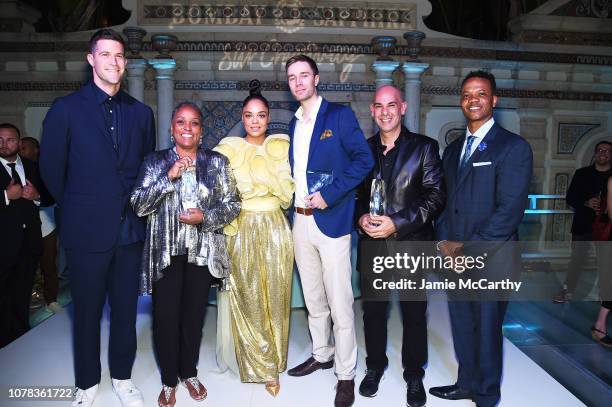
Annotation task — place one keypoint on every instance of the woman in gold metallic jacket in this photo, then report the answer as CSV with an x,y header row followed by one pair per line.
x,y
187,193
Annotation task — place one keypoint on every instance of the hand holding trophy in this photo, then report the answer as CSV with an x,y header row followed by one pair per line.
x,y
188,192
378,198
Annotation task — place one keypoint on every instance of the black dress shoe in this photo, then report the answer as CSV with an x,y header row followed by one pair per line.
x,y
345,393
311,365
415,392
450,392
369,384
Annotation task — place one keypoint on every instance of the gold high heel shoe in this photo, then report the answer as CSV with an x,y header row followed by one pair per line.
x,y
273,387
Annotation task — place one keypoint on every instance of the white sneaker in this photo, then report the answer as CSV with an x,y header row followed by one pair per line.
x,y
85,398
54,307
128,394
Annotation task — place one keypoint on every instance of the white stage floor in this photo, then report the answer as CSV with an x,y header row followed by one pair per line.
x,y
44,357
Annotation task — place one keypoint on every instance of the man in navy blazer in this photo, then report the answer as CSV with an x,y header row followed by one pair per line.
x,y
93,143
329,158
487,176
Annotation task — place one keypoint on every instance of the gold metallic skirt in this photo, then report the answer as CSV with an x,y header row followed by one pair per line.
x,y
259,298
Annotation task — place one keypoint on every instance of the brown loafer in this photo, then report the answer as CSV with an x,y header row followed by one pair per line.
x,y
196,389
167,397
309,366
345,393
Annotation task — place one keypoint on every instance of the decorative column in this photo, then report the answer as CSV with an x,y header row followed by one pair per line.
x,y
413,69
384,66
412,93
550,176
136,65
135,77
164,66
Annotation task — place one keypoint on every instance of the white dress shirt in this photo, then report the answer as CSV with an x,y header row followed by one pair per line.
x,y
18,168
479,134
304,126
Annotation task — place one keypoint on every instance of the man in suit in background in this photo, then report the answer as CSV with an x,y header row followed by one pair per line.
x,y
487,175
20,240
410,166
94,141
329,158
30,149
584,195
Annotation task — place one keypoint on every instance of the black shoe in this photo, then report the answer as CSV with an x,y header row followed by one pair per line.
x,y
369,384
345,393
450,392
605,340
309,366
415,392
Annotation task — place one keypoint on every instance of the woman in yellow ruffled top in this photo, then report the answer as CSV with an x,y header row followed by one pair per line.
x,y
253,314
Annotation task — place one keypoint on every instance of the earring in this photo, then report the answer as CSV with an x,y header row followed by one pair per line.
x,y
172,139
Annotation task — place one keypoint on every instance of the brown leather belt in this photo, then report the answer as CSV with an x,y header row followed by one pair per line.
x,y
304,211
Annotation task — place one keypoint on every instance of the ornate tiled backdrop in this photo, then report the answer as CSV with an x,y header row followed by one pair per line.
x,y
323,87
570,134
341,49
221,117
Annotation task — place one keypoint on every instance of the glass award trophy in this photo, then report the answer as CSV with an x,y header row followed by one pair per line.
x,y
317,180
189,190
378,198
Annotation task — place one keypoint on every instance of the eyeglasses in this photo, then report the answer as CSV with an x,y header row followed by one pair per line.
x,y
603,151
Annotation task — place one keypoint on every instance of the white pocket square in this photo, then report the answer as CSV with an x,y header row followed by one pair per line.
x,y
480,164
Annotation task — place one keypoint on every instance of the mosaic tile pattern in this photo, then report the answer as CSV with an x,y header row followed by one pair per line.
x,y
341,49
570,134
221,117
324,87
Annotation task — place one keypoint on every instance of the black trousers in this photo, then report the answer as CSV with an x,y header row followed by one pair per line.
x,y
414,337
16,281
94,276
179,307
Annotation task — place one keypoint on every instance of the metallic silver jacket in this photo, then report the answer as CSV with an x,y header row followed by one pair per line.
x,y
156,196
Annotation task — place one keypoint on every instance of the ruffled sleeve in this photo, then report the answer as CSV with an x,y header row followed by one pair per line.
x,y
276,149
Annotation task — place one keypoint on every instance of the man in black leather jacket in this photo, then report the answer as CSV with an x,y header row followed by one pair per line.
x,y
411,168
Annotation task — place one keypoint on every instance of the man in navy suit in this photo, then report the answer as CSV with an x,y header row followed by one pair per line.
x,y
487,176
329,158
93,143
